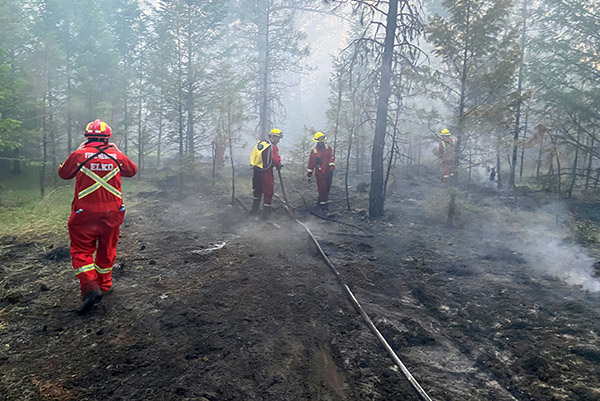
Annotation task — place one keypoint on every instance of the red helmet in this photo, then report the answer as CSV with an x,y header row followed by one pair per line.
x,y
98,129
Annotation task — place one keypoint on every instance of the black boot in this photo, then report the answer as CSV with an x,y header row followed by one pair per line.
x,y
267,211
255,206
89,299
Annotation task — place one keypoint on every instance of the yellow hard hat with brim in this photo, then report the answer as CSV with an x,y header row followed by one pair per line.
x,y
276,132
319,137
445,132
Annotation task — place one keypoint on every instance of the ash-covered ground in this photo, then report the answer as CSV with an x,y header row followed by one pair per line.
x,y
212,304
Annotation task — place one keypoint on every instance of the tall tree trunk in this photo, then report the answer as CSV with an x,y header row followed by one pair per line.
x,y
140,135
190,90
463,92
376,195
589,166
229,128
69,116
263,68
574,175
126,123
498,171
348,168
392,154
213,149
337,112
160,128
357,157
558,166
44,151
523,145
52,128
539,163
513,166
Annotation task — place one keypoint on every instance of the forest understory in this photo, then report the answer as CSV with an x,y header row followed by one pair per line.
x,y
212,304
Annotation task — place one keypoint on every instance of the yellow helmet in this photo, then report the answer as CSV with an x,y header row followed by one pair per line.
x,y
319,137
445,132
276,132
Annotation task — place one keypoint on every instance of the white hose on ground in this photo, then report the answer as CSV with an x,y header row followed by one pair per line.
x,y
367,319
358,307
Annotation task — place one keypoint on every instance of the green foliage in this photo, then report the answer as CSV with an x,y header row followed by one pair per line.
x,y
301,151
478,51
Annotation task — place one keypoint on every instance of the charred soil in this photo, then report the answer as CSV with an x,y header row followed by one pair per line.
x,y
212,304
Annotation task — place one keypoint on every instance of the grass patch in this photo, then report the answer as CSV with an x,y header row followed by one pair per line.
x,y
24,214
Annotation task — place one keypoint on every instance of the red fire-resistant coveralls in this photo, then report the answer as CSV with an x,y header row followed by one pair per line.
x,y
447,152
322,164
97,211
262,180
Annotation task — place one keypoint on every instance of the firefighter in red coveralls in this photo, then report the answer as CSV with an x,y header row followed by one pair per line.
x,y
447,152
321,163
97,209
263,181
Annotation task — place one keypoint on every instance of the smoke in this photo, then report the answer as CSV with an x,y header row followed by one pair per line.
x,y
548,249
569,262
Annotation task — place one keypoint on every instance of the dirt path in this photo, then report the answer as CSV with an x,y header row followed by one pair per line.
x,y
262,318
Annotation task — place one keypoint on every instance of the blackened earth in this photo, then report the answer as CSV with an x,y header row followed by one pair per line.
x,y
211,304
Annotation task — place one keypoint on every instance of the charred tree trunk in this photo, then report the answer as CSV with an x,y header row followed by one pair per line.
x,y
348,168
498,171
214,161
574,175
376,195
392,154
523,145
589,165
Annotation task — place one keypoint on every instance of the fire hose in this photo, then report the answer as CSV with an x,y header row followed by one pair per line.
x,y
367,234
355,302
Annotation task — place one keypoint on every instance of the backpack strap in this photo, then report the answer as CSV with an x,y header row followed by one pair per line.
x,y
99,152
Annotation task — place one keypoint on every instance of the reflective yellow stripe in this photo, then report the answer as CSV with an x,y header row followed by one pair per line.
x,y
102,270
309,170
100,181
102,127
315,150
84,269
88,128
332,164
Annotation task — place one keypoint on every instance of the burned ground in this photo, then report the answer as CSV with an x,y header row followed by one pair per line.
x,y
210,304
